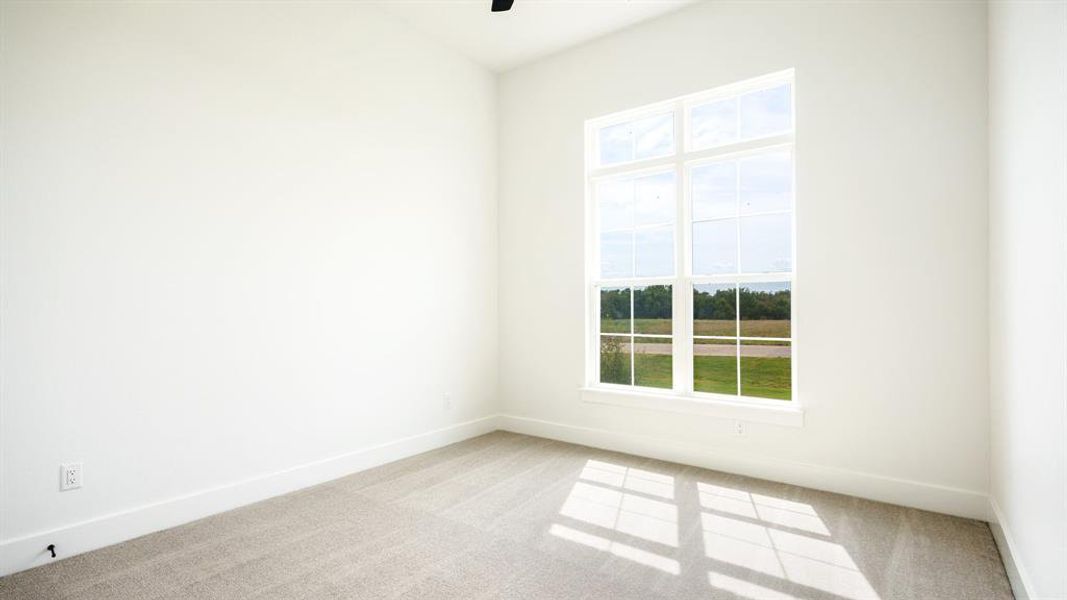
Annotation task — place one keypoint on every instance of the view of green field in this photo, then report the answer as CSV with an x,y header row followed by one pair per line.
x,y
762,377
764,310
778,328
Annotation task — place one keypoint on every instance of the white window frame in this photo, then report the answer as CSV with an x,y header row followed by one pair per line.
x,y
683,398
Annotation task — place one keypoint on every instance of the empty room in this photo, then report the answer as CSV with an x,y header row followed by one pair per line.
x,y
533,299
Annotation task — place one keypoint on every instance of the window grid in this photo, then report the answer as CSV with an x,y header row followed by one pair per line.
x,y
631,335
682,161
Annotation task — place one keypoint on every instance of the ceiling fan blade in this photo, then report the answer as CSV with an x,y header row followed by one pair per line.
x,y
502,5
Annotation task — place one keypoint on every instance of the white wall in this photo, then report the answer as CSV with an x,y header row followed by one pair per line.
x,y
225,228
236,239
1028,291
890,306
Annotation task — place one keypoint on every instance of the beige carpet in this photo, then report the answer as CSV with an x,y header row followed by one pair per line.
x,y
510,516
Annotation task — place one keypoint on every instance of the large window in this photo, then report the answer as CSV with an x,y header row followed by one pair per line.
x,y
690,265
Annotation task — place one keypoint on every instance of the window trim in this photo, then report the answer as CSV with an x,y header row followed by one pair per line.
x,y
755,410
683,398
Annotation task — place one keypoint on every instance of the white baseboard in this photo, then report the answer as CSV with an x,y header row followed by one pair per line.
x,y
1020,581
29,551
927,496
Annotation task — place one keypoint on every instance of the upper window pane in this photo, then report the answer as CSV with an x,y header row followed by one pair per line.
x,y
645,200
767,112
715,247
654,136
654,199
615,202
617,254
650,137
616,144
637,217
714,190
767,183
713,124
767,243
747,116
654,252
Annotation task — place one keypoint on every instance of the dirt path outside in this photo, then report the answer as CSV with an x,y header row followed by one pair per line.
x,y
718,350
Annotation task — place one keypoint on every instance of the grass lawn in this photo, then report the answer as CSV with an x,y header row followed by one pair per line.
x,y
765,377
652,326
760,377
653,370
765,328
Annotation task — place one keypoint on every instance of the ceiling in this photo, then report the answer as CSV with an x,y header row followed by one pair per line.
x,y
530,30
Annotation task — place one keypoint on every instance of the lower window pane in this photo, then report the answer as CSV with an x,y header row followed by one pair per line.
x,y
653,362
715,309
615,359
615,310
715,366
766,369
653,308
765,309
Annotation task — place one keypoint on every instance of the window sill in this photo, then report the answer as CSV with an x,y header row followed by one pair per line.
x,y
740,410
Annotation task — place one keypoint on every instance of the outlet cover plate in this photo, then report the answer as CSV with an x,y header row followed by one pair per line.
x,y
70,476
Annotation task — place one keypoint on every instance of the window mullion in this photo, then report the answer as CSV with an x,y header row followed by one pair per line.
x,y
737,332
633,350
593,374
592,272
682,317
683,346
737,283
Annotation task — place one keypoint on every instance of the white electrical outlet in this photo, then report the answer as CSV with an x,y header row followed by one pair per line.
x,y
739,428
70,476
447,402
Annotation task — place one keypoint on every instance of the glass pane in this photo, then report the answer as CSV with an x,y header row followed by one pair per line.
x,y
616,144
767,183
655,251
644,138
715,247
654,199
767,112
715,366
615,310
714,123
616,254
615,359
652,362
653,306
714,310
615,199
654,136
765,309
714,190
767,243
766,370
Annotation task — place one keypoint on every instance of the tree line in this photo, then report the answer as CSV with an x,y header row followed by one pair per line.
x,y
655,302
